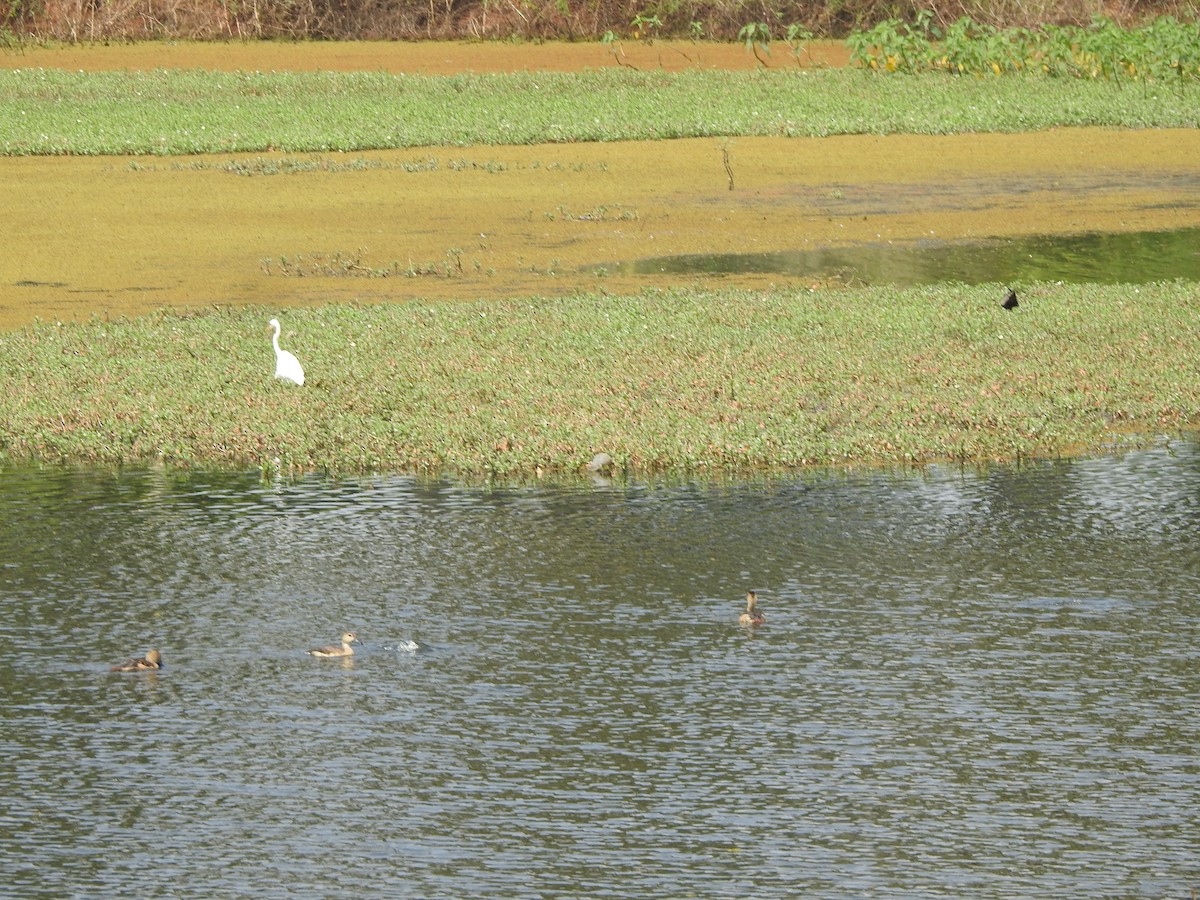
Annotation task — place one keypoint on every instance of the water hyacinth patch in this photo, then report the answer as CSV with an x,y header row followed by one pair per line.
x,y
679,381
191,112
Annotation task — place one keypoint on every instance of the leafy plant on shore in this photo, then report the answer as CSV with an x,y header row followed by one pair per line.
x,y
896,46
757,37
971,48
613,43
1160,50
645,27
797,38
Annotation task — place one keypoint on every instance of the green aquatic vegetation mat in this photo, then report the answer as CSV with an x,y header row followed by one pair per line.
x,y
1162,50
664,381
187,111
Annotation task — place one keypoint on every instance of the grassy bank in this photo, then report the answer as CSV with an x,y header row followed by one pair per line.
x,y
185,112
682,381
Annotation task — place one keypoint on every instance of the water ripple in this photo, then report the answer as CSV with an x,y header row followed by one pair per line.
x,y
969,682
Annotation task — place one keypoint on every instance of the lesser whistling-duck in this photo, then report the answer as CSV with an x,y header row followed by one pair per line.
x,y
344,649
152,660
753,615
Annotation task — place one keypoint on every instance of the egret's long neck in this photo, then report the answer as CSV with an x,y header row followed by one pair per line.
x,y
275,340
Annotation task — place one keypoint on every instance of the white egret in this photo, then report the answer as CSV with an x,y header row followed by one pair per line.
x,y
287,366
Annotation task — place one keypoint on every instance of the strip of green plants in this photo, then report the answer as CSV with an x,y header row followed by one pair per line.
x,y
679,381
1163,50
189,112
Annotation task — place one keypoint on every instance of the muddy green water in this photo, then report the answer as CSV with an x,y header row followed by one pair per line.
x,y
117,237
1134,258
973,684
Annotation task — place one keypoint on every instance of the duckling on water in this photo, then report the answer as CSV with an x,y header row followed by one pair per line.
x,y
152,660
753,615
345,649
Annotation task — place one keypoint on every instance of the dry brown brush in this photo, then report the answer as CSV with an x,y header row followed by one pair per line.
x,y
108,20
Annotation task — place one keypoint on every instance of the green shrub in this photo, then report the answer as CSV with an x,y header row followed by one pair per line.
x,y
1163,49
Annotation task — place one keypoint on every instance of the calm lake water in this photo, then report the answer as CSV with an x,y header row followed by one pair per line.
x,y
979,684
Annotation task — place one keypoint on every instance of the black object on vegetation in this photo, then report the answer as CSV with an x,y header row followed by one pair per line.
x,y
1010,302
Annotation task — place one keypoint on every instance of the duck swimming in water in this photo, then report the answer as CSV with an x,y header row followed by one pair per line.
x,y
152,660
345,649
753,615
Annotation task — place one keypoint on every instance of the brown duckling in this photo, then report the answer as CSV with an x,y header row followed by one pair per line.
x,y
753,615
152,660
334,650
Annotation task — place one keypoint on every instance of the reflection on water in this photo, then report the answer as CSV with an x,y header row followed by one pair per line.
x,y
973,684
1134,258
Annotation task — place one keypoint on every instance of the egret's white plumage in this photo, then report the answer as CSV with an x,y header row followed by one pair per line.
x,y
287,366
